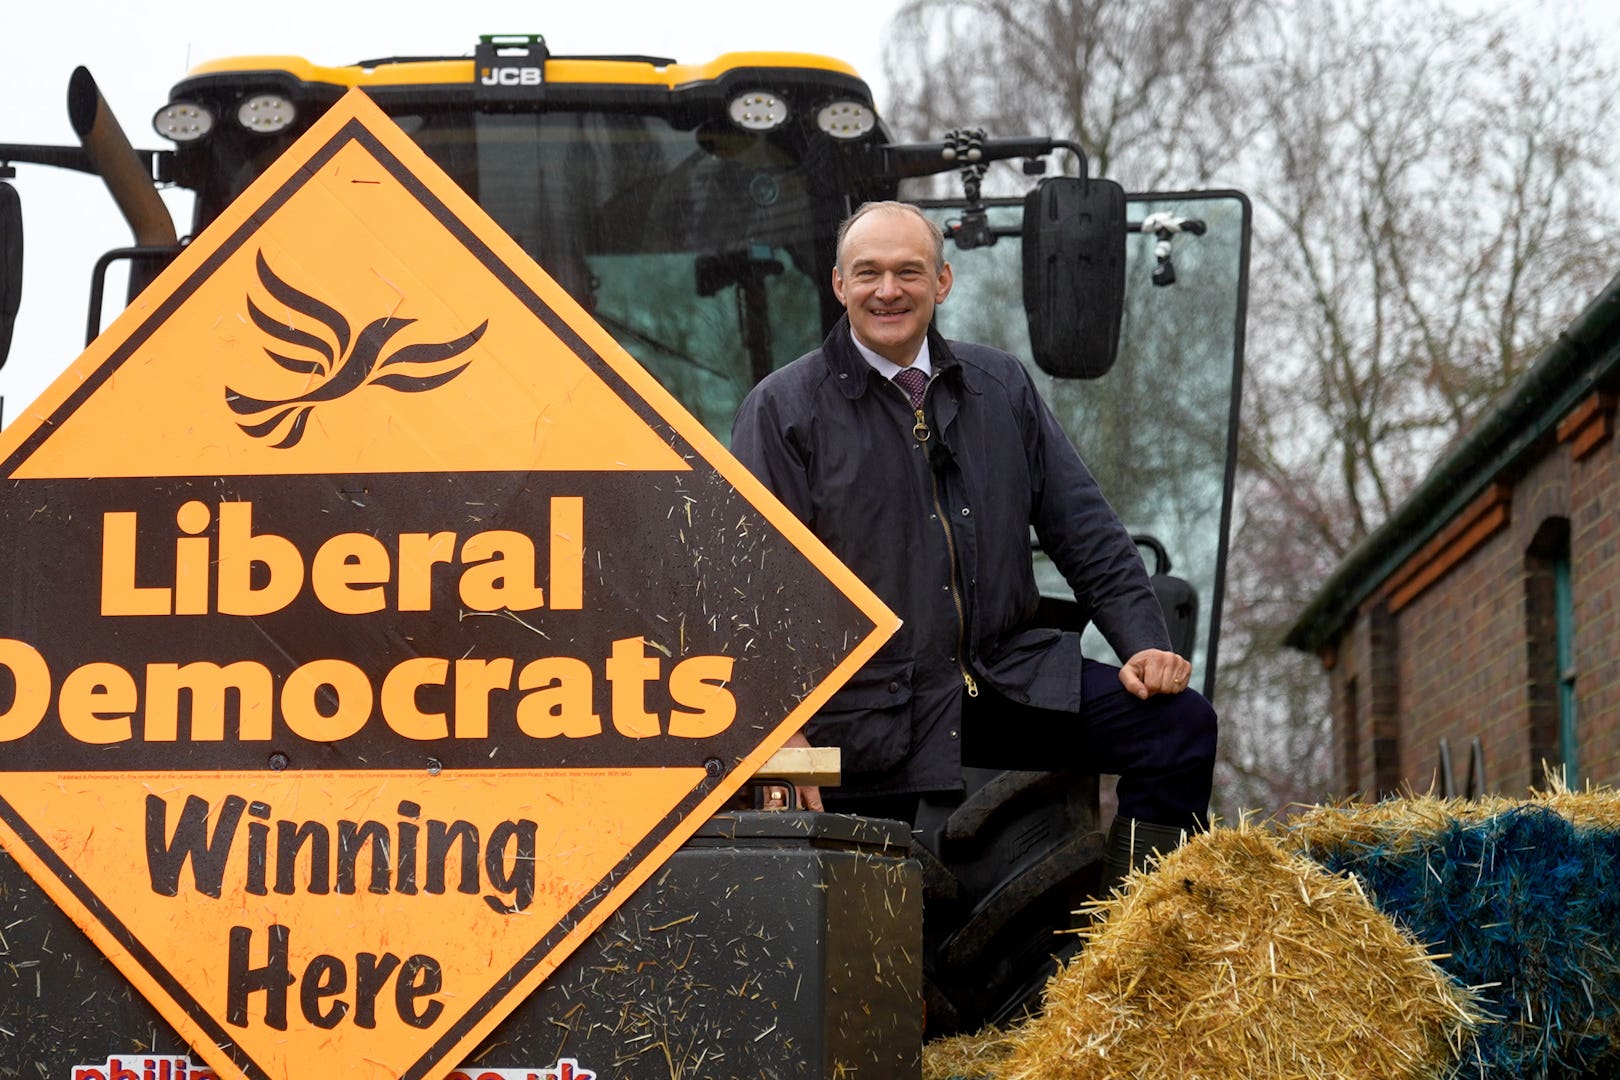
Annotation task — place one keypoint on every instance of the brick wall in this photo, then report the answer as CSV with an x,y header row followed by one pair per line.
x,y
1595,573
1366,707
1352,744
1459,646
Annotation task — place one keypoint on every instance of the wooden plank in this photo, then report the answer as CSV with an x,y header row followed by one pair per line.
x,y
804,766
1589,425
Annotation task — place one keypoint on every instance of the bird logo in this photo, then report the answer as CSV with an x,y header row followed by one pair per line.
x,y
328,358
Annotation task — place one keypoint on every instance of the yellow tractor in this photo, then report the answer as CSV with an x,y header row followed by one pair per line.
x,y
691,209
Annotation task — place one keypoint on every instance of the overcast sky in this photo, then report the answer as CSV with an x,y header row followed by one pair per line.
x,y
69,217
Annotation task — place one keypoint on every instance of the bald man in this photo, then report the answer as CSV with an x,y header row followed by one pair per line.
x,y
923,463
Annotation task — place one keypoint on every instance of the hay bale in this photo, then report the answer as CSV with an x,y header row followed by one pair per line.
x,y
1523,898
1392,823
1402,822
966,1057
1237,959
1594,808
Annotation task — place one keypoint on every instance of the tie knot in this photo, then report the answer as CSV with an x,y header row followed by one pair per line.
x,y
913,382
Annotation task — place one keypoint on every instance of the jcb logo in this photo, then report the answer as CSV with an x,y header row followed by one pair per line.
x,y
512,76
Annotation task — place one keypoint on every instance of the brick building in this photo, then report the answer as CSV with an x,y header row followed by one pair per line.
x,y
1476,635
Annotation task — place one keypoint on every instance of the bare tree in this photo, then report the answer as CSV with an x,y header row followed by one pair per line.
x,y
1430,225
1427,187
1429,229
1113,76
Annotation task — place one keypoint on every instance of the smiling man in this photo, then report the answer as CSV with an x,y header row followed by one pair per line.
x,y
923,464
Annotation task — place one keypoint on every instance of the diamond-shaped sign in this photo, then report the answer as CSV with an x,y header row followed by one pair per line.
x,y
371,624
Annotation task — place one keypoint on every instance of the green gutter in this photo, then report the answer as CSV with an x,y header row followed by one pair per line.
x,y
1584,358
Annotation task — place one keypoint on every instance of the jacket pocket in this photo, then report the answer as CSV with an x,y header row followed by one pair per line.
x,y
1039,666
869,718
1018,657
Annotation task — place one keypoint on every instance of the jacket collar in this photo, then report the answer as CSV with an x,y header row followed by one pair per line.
x,y
853,371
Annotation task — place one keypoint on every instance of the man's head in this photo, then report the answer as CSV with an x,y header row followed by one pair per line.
x,y
890,274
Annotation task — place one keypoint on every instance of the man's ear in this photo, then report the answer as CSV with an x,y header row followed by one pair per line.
x,y
838,285
944,285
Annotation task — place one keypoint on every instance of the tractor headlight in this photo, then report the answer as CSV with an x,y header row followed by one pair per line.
x,y
845,119
183,122
266,113
758,110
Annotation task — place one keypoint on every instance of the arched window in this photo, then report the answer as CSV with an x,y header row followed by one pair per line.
x,y
1550,639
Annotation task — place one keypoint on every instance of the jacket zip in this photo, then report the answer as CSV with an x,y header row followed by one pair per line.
x,y
920,432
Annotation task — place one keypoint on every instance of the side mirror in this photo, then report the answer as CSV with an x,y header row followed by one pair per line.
x,y
1074,274
11,264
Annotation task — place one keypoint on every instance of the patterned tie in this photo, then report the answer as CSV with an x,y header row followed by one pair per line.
x,y
913,382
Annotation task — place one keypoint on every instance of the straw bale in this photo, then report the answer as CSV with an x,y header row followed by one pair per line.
x,y
1521,897
966,1057
1393,824
1236,959
1404,822
1595,808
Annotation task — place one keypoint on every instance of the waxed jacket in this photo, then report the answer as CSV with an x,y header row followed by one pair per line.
x,y
934,514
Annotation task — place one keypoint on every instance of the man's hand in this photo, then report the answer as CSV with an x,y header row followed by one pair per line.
x,y
809,797
1154,671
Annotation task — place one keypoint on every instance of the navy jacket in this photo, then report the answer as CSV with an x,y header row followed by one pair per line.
x,y
935,518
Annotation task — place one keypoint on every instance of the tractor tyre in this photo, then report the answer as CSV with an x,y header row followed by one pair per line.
x,y
1006,872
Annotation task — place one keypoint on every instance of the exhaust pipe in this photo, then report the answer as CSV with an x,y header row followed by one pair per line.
x,y
117,163
11,264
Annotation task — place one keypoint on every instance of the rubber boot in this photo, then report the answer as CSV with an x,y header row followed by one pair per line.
x,y
1131,843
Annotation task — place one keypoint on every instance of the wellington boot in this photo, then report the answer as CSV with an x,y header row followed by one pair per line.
x,y
1131,845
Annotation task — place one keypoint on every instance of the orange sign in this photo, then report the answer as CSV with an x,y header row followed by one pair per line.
x,y
373,625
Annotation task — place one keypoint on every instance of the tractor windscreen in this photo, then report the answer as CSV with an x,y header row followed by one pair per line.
x,y
1159,429
695,247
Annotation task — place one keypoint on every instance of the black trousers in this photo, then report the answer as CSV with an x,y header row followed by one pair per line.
x,y
1162,749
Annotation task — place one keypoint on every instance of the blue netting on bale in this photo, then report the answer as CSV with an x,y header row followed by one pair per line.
x,y
1528,907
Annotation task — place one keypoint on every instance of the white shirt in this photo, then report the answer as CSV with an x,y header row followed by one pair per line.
x,y
888,368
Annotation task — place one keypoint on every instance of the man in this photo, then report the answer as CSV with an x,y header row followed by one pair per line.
x,y
923,464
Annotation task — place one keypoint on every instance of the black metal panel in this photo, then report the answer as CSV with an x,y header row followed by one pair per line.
x,y
771,945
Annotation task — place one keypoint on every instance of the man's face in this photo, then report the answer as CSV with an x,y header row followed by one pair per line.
x,y
889,284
